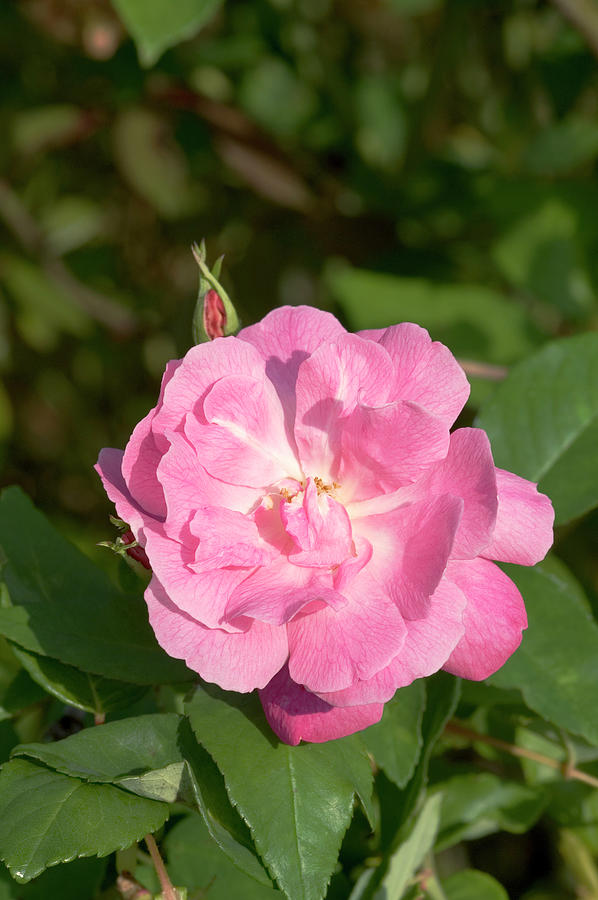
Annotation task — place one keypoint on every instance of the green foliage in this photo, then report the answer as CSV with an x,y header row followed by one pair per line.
x,y
297,801
543,423
62,606
156,25
54,818
562,630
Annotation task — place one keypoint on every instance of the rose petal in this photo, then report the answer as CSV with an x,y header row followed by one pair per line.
x,y
425,371
243,440
277,592
237,662
467,472
227,538
411,545
385,448
142,455
428,644
494,619
201,368
203,594
295,715
109,468
331,649
188,487
330,384
523,531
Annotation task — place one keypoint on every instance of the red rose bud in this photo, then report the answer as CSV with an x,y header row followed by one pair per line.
x,y
214,315
135,552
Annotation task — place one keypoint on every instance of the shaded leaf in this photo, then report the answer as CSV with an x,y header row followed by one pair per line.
x,y
65,607
76,688
470,884
396,741
479,803
194,861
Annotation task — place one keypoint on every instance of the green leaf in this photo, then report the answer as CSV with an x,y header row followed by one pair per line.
x,y
224,824
155,756
194,861
479,803
65,607
297,801
556,666
472,320
110,752
405,861
396,741
48,818
442,696
92,693
543,423
156,25
78,880
469,884
562,147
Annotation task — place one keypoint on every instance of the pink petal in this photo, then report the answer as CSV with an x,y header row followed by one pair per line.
x,y
227,538
202,366
494,619
237,662
330,384
109,469
331,649
287,336
243,441
277,592
411,547
204,595
425,371
388,447
320,528
467,472
428,645
188,487
523,531
296,715
142,456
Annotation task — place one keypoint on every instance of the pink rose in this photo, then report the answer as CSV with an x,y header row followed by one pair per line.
x,y
313,527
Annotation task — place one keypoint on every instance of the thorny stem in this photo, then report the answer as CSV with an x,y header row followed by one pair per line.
x,y
565,768
168,891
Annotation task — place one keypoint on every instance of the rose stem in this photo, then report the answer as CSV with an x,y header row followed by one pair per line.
x,y
168,890
566,770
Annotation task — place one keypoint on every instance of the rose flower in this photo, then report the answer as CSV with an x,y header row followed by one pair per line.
x,y
314,529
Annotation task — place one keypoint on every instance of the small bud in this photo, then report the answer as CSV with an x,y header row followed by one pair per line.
x,y
126,544
133,549
214,316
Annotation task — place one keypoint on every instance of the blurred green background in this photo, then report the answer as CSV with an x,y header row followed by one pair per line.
x,y
400,159
389,160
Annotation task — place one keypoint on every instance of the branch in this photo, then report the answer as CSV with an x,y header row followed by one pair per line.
x,y
566,770
583,15
97,305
